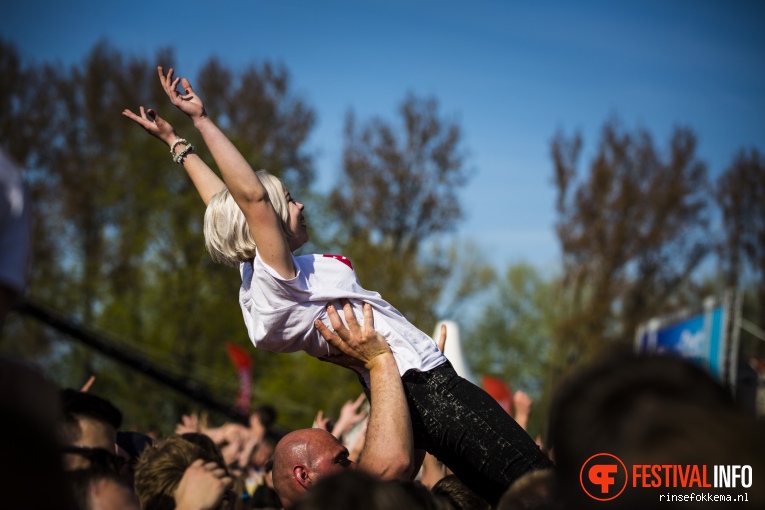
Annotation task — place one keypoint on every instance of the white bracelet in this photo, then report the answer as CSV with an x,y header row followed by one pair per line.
x,y
175,144
178,158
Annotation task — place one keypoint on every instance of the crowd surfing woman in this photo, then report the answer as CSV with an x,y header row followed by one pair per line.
x,y
252,222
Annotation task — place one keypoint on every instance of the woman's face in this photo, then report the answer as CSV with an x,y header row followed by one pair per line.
x,y
297,225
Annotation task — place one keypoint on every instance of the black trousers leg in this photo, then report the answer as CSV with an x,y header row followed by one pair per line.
x,y
465,428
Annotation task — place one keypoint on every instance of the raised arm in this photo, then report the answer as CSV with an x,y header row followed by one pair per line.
x,y
205,180
388,450
245,187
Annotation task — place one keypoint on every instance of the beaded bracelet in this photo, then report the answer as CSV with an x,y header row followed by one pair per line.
x,y
178,158
175,144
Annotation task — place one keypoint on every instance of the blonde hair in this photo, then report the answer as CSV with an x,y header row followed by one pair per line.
x,y
227,235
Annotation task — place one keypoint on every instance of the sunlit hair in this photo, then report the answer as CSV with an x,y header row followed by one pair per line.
x,y
227,235
160,469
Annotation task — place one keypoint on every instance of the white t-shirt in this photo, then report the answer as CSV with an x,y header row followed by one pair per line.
x,y
280,313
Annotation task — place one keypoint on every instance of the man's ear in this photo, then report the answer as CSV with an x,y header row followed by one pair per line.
x,y
300,473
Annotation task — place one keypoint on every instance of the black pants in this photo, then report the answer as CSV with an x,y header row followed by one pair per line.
x,y
466,429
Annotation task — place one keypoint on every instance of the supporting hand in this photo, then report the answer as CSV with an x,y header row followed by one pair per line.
x,y
360,342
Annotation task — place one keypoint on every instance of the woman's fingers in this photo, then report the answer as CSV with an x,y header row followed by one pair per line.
x,y
140,120
187,86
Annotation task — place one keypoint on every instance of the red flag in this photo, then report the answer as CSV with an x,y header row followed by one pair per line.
x,y
499,391
243,364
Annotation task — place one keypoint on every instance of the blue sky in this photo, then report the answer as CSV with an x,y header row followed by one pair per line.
x,y
510,72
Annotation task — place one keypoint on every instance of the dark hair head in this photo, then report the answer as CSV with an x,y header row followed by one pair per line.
x,y
646,410
352,489
210,451
267,414
535,490
81,481
75,404
451,488
134,443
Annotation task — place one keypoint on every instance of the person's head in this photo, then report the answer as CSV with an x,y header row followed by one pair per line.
x,y
262,453
304,457
30,455
461,498
130,446
354,489
101,490
208,446
534,490
227,235
647,410
88,430
161,467
266,414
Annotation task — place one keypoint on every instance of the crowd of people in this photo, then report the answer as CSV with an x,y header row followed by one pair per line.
x,y
64,448
428,439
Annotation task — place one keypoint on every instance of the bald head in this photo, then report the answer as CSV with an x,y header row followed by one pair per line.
x,y
302,458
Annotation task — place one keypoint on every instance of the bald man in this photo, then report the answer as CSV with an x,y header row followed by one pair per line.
x,y
305,456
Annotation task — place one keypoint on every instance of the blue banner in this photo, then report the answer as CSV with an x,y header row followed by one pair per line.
x,y
700,338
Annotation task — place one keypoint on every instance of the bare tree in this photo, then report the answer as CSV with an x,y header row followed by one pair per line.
x,y
398,189
401,185
632,231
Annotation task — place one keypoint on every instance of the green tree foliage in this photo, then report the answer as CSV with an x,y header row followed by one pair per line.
x,y
740,192
273,127
632,231
118,239
398,190
512,338
740,195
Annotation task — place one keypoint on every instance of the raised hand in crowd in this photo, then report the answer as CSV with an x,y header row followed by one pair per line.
x,y
86,387
322,422
202,487
189,423
522,407
442,338
350,414
355,442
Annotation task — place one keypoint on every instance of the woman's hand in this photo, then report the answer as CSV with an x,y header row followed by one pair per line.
x,y
153,124
190,103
